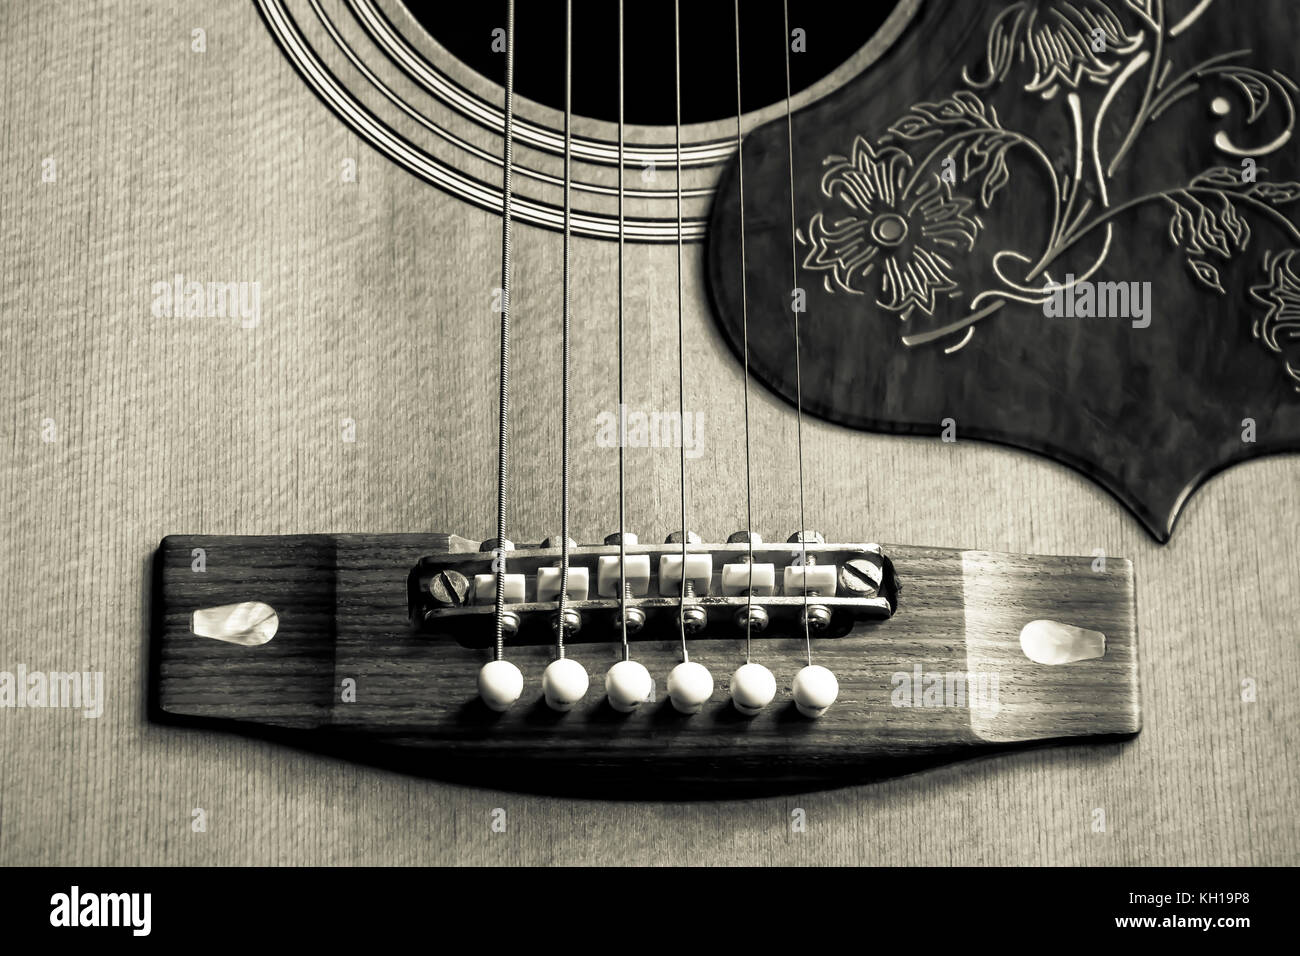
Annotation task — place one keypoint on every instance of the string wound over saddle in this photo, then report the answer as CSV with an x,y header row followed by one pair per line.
x,y
844,585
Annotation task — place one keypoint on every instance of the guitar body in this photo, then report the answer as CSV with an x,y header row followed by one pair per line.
x,y
361,403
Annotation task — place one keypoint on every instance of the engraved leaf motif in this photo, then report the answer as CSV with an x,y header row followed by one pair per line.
x,y
1182,228
1199,229
1221,177
1225,178
1253,88
998,177
915,126
1208,231
981,149
1234,224
962,110
979,141
1275,193
1206,274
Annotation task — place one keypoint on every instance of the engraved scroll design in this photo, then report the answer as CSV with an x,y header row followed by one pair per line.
x,y
898,220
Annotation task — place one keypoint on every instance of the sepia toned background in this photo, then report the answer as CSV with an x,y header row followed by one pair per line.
x,y
376,307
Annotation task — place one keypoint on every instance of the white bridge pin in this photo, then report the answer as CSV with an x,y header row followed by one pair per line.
x,y
628,685
564,683
815,689
499,684
752,688
689,686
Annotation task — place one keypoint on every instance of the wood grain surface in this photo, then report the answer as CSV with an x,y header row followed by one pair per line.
x,y
376,307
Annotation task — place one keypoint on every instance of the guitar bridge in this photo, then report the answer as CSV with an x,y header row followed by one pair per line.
x,y
346,670
729,590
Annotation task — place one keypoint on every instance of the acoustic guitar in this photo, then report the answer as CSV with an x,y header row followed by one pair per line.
x,y
564,401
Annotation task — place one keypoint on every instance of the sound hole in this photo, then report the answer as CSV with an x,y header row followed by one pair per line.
x,y
833,31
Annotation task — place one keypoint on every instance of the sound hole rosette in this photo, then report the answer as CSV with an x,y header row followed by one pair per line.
x,y
403,93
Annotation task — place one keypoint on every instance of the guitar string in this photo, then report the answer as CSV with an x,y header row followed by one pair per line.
x,y
798,371
622,414
681,339
565,321
503,443
744,314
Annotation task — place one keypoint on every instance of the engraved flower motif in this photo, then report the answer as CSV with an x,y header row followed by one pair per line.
x,y
898,227
1279,327
1061,40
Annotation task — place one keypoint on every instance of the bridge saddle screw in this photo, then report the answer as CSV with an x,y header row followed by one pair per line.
x,y
449,588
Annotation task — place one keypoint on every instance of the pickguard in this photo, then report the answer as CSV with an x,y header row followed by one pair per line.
x,y
1068,226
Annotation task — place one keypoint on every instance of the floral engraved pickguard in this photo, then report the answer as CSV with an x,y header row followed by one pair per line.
x,y
1064,225
902,203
